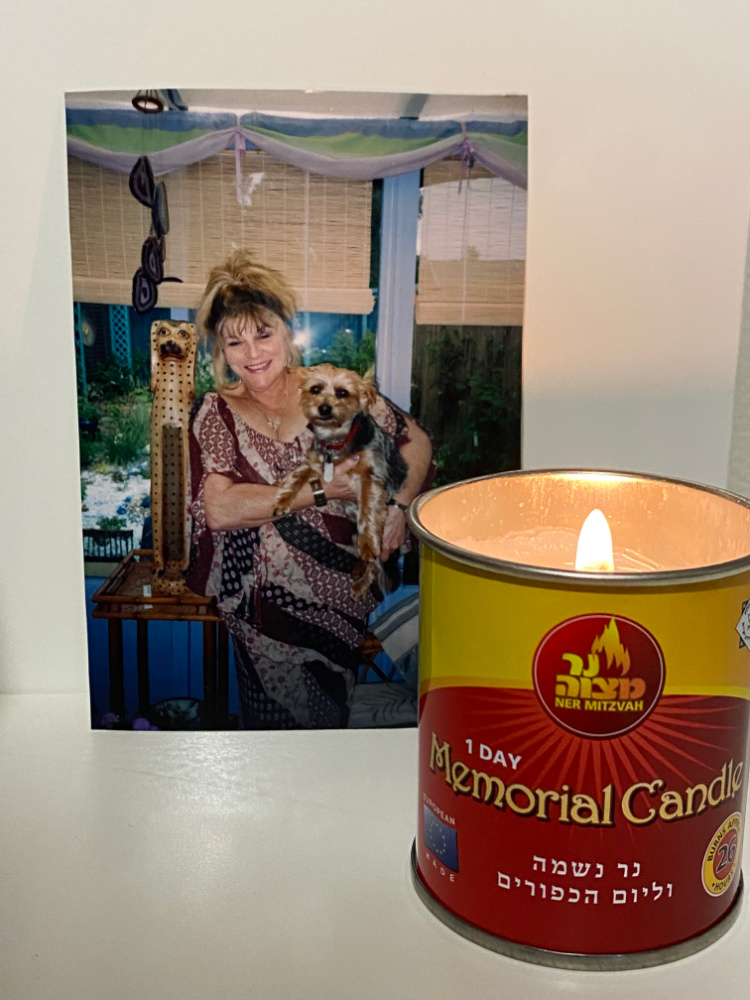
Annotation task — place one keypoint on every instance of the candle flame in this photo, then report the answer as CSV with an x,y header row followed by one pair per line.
x,y
594,551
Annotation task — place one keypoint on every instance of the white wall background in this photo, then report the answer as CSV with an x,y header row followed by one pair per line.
x,y
638,218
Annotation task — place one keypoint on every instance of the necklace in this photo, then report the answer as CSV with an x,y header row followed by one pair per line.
x,y
273,422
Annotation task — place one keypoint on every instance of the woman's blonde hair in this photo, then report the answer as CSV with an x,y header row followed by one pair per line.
x,y
242,289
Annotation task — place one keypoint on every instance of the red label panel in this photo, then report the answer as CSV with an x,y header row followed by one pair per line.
x,y
592,845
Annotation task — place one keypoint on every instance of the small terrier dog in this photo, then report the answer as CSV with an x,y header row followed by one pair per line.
x,y
336,403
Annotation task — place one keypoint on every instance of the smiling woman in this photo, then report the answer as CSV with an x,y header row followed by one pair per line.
x,y
283,586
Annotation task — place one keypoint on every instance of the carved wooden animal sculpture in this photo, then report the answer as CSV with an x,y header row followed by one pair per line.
x,y
173,348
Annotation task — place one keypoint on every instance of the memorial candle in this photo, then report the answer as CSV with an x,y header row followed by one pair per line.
x,y
583,714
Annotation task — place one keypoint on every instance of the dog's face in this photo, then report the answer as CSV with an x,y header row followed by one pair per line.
x,y
332,397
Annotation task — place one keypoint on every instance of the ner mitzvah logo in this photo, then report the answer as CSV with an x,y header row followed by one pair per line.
x,y
598,676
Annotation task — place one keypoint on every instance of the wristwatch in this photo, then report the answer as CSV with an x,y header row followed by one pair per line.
x,y
318,493
393,502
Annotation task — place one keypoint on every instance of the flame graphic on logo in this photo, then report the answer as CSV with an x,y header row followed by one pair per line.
x,y
609,643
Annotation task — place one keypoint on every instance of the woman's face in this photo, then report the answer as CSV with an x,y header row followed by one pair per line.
x,y
255,352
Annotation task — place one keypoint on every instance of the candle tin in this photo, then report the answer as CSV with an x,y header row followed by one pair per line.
x,y
583,736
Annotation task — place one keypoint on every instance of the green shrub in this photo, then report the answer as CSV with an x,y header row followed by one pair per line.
x,y
141,394
126,433
88,451
141,368
109,380
87,410
366,352
345,352
469,395
204,375
114,523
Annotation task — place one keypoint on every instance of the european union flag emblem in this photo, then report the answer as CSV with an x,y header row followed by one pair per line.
x,y
441,839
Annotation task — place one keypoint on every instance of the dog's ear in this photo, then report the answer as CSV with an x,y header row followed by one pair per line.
x,y
368,394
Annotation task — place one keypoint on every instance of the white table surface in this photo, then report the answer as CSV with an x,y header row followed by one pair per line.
x,y
243,865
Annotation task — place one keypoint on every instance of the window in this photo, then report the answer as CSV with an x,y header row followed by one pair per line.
x,y
314,229
472,247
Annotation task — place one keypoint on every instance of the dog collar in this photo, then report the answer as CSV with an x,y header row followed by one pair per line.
x,y
330,446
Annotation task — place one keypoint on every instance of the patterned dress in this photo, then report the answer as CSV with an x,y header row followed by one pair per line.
x,y
283,589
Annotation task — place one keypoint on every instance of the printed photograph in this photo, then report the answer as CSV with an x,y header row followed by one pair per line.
x,y
294,312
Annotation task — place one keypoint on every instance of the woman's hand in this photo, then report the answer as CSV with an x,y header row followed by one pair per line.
x,y
417,452
340,487
394,532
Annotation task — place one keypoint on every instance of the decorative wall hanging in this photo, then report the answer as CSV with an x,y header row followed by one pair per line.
x,y
153,196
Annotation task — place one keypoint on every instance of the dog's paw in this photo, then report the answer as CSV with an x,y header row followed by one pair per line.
x,y
282,504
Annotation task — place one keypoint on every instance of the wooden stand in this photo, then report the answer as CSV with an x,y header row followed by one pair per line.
x,y
126,595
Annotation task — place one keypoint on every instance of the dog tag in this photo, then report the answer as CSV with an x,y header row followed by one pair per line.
x,y
328,470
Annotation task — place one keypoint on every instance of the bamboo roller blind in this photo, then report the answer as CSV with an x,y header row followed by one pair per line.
x,y
314,229
472,248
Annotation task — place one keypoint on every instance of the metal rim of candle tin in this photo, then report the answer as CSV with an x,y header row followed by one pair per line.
x,y
694,574
575,960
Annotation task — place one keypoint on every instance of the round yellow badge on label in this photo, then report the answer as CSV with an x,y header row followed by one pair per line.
x,y
721,860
